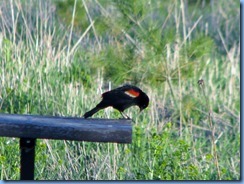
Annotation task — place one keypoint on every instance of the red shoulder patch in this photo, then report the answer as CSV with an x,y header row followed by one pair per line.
x,y
132,93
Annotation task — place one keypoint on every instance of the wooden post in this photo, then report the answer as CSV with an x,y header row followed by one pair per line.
x,y
30,127
27,158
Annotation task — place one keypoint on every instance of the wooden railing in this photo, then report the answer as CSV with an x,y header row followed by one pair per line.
x,y
31,127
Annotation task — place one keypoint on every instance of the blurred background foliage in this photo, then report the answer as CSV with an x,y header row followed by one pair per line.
x,y
130,36
58,56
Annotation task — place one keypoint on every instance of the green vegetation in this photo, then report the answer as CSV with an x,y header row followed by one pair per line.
x,y
56,57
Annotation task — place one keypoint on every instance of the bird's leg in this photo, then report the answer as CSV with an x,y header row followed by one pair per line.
x,y
124,115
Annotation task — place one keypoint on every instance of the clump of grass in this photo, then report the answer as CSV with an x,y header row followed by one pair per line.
x,y
213,141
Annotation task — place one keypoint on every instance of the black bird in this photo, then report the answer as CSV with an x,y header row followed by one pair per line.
x,y
121,98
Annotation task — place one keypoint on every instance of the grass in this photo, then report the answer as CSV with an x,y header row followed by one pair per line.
x,y
57,61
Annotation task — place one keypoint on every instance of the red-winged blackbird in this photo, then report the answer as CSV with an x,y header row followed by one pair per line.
x,y
121,98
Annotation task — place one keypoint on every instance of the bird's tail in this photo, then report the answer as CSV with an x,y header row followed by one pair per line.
x,y
91,112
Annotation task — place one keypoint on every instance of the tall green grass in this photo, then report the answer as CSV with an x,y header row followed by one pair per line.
x,y
56,58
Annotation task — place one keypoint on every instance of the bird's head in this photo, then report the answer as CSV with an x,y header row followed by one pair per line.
x,y
143,101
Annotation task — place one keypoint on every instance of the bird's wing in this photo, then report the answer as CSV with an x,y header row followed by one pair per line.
x,y
123,92
132,93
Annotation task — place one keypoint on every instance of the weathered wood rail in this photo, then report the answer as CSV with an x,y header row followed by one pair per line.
x,y
31,127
